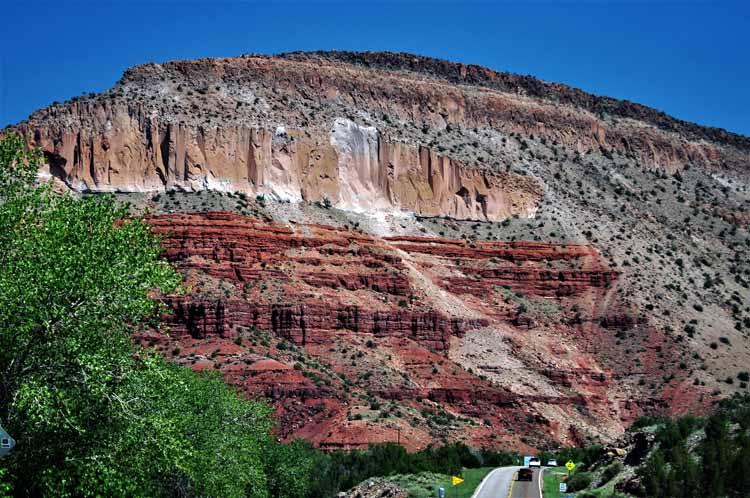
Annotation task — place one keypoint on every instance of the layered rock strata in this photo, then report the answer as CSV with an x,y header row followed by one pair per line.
x,y
345,301
367,132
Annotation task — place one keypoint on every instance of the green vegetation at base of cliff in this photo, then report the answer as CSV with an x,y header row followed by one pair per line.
x,y
340,471
686,457
553,476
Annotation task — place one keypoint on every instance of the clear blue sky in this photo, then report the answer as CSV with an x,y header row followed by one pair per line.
x,y
690,59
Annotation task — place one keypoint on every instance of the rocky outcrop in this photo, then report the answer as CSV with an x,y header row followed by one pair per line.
x,y
328,290
354,168
358,338
508,251
376,488
245,251
472,74
539,281
310,323
368,132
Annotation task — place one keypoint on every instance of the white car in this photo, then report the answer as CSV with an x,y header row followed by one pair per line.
x,y
535,462
552,463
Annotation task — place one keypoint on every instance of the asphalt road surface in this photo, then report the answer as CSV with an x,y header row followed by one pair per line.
x,y
527,489
498,484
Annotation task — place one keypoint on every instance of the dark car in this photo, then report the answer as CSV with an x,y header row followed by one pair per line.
x,y
525,474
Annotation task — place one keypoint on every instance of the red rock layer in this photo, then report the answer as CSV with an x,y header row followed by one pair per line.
x,y
311,323
241,250
353,347
329,290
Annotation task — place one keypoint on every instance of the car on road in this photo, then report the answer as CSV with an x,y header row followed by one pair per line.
x,y
552,463
535,462
525,474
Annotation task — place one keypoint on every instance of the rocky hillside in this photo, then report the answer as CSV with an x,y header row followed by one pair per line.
x,y
392,247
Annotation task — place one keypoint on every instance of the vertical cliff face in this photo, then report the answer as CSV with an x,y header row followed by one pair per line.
x,y
354,167
336,293
517,342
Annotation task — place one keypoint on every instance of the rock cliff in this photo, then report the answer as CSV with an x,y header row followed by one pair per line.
x,y
331,307
367,132
388,246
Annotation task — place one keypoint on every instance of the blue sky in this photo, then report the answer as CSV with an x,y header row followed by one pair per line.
x,y
689,59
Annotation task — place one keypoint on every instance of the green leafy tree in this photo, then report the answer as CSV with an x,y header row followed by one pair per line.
x,y
75,277
653,474
579,480
325,475
92,414
741,467
716,456
685,474
292,470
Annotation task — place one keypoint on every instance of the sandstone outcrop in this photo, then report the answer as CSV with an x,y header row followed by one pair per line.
x,y
354,168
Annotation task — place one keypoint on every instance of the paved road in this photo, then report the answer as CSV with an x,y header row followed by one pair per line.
x,y
498,484
527,489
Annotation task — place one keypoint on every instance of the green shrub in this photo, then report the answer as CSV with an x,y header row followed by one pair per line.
x,y
611,472
579,480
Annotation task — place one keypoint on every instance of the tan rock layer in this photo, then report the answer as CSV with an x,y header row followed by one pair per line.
x,y
522,105
132,152
472,74
251,128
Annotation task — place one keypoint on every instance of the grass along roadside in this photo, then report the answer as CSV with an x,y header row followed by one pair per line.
x,y
425,484
553,476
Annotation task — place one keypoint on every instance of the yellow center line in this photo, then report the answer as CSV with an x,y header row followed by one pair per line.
x,y
512,482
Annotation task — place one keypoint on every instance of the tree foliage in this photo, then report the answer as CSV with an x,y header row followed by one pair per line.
x,y
95,416
716,467
5,486
92,414
342,470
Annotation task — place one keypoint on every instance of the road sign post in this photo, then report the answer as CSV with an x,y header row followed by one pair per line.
x,y
570,466
455,481
6,442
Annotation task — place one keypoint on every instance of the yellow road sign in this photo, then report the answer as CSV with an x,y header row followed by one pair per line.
x,y
456,480
570,465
